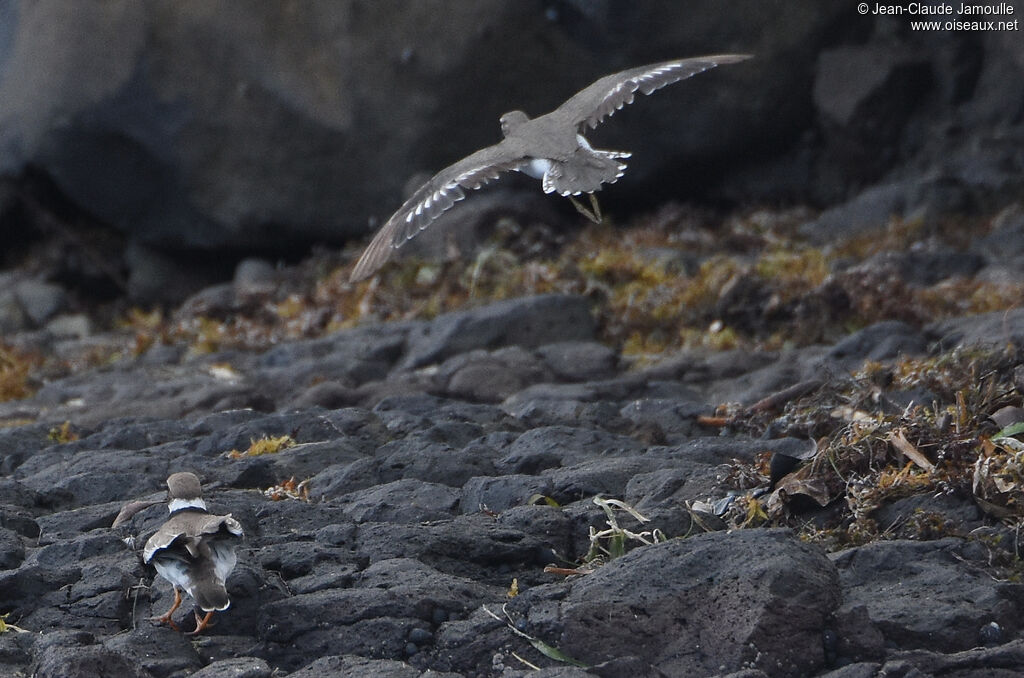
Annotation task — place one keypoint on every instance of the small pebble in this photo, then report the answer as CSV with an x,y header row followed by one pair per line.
x,y
420,636
991,634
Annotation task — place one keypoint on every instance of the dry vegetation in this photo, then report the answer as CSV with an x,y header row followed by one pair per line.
x,y
923,428
677,278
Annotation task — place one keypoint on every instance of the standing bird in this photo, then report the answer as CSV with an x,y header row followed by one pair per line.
x,y
551,148
193,550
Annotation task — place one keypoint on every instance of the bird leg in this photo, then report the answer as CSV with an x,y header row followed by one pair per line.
x,y
165,618
201,623
594,214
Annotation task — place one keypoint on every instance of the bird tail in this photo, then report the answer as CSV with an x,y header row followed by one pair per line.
x,y
584,172
208,589
210,595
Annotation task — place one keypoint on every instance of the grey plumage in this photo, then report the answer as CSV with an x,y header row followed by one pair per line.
x,y
194,550
551,147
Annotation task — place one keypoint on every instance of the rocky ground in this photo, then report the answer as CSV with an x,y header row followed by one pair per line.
x,y
432,497
766,421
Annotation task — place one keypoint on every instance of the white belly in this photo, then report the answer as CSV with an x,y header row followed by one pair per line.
x,y
174,571
536,168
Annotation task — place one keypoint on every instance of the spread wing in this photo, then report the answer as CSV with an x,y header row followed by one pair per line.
x,y
432,199
609,94
186,531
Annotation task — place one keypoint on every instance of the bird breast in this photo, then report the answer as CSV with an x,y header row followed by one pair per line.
x,y
536,167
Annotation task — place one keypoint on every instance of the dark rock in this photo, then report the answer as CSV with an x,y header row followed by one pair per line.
x,y
988,329
419,515
564,672
540,411
12,551
86,662
768,376
101,592
607,476
16,652
403,415
18,520
920,595
13,492
859,670
675,419
401,501
1004,241
553,525
254,279
481,376
157,275
78,520
130,134
435,462
925,517
579,360
469,546
365,354
352,665
40,300
159,650
237,667
100,478
463,644
298,558
300,462
58,550
687,606
868,211
998,662
527,322
620,388
880,341
670,486
374,619
340,479
624,666
31,589
330,576
498,494
555,446
867,92
924,268
328,395
858,639
12,316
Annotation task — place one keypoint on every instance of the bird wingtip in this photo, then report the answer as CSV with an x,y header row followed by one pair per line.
x,y
732,58
360,273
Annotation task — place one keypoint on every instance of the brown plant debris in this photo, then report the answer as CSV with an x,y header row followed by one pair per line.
x,y
870,454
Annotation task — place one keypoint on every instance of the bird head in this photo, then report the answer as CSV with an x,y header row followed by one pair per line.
x,y
511,120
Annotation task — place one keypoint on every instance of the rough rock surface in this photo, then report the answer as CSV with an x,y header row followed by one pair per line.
x,y
318,114
423,513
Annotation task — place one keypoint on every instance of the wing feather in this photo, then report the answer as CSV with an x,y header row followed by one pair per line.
x,y
609,94
434,198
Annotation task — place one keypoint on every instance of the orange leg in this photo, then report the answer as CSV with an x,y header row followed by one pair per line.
x,y
165,618
201,623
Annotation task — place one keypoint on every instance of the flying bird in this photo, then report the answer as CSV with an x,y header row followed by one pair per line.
x,y
551,148
194,550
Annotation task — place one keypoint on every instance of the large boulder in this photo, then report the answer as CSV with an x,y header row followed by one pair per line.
x,y
212,125
717,602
